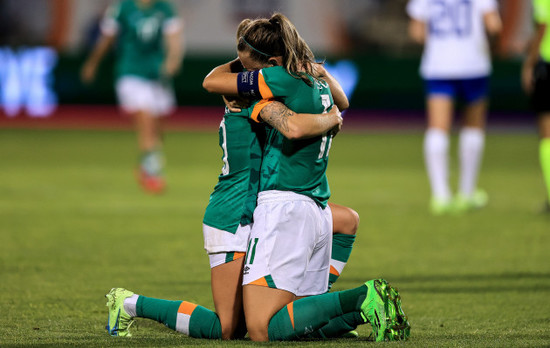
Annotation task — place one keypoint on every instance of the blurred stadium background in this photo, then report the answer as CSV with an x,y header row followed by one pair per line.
x,y
74,223
43,44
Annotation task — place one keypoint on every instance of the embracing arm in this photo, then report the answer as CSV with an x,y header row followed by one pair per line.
x,y
300,126
340,98
223,79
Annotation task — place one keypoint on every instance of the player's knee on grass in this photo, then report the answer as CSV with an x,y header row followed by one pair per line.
x,y
228,328
227,292
257,328
232,327
260,305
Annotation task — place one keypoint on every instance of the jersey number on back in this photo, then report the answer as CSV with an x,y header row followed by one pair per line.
x,y
326,141
223,144
451,19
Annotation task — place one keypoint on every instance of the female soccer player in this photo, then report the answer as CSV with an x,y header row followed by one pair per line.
x,y
536,83
455,65
149,54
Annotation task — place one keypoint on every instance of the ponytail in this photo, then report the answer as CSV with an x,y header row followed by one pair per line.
x,y
276,36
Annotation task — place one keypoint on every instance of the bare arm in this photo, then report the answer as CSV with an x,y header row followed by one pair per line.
x,y
417,31
340,98
223,79
493,23
531,59
174,53
300,126
92,63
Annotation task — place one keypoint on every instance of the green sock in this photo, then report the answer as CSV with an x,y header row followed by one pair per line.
x,y
544,152
203,323
338,326
342,244
352,299
163,311
307,315
304,316
182,316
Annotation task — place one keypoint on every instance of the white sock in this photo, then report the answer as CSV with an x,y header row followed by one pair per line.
x,y
130,305
436,155
471,144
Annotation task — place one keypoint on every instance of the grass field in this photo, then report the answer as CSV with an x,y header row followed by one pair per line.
x,y
73,224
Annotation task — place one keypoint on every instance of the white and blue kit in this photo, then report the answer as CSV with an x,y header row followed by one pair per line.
x,y
456,60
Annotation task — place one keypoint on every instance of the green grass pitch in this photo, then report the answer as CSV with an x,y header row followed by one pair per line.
x,y
73,224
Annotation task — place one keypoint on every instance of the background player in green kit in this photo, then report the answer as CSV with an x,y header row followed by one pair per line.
x,y
536,83
149,54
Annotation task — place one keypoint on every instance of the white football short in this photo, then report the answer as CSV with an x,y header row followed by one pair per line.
x,y
290,244
136,94
223,246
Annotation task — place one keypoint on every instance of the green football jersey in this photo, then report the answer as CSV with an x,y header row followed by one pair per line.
x,y
295,165
542,16
234,198
140,45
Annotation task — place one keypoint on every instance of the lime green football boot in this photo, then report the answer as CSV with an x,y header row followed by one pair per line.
x,y
119,321
382,309
477,200
440,207
350,334
399,328
373,308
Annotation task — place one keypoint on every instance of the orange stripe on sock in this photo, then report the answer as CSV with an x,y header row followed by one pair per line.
x,y
187,308
238,255
290,308
334,271
261,282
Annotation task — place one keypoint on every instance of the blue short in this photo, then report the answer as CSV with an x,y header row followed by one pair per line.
x,y
468,90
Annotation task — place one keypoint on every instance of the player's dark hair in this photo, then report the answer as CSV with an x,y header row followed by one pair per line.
x,y
266,38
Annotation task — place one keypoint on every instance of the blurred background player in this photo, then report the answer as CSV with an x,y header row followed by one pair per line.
x,y
149,54
455,65
536,83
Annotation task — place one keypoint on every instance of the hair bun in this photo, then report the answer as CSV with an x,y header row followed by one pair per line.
x,y
275,21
